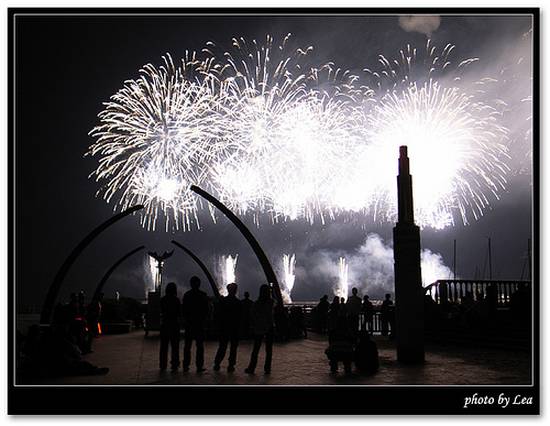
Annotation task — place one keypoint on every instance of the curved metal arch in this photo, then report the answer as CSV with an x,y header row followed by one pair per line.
x,y
55,286
109,272
258,251
202,266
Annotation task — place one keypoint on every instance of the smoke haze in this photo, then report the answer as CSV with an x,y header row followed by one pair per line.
x,y
424,24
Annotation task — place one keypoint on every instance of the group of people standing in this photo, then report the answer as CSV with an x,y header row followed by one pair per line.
x,y
349,325
359,313
234,317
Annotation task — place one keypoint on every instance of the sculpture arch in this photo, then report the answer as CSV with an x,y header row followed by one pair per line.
x,y
99,288
51,296
202,266
258,251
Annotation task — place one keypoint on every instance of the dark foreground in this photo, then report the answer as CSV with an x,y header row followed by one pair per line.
x,y
133,360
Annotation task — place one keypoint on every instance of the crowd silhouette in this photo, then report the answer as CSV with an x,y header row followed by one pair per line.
x,y
263,321
58,350
349,329
348,324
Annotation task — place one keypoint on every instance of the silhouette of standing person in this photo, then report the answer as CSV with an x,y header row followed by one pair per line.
x,y
353,307
247,308
333,313
195,313
170,308
229,316
94,315
322,313
368,314
262,327
386,314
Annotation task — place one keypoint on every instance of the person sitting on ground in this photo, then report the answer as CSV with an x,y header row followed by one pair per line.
x,y
262,327
340,348
170,308
53,353
195,310
366,354
229,317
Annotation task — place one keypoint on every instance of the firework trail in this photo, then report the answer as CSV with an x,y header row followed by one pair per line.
x,y
342,287
289,276
151,274
227,267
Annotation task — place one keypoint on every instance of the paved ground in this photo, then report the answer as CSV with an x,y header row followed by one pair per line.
x,y
133,359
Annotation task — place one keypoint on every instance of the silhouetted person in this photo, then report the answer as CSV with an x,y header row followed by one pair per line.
x,y
229,317
195,313
386,314
366,354
367,309
93,314
340,349
353,309
297,322
54,353
282,322
72,307
322,309
333,313
170,309
82,303
262,328
247,308
76,321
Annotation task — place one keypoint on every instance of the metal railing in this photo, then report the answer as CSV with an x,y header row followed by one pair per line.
x,y
454,291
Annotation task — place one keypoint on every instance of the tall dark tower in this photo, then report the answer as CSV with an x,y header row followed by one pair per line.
x,y
409,297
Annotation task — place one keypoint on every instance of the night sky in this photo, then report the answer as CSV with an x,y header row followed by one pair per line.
x,y
67,66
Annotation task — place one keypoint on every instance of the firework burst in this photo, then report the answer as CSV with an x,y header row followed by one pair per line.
x,y
155,137
291,130
454,137
268,133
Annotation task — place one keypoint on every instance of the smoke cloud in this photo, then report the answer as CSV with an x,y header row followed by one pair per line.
x,y
425,24
370,267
